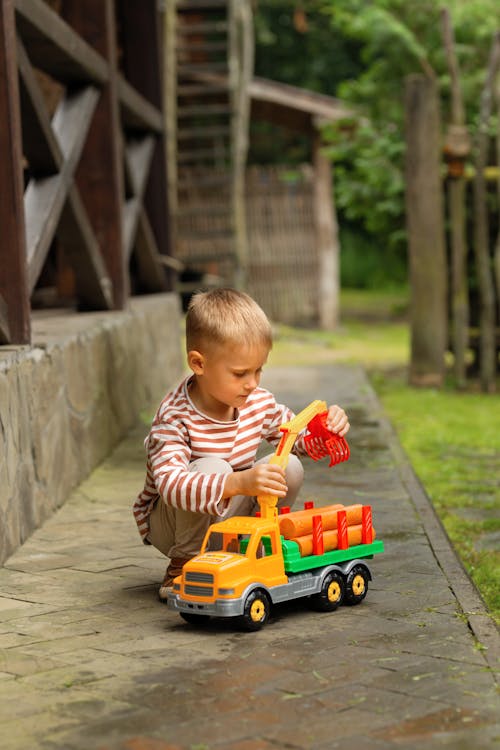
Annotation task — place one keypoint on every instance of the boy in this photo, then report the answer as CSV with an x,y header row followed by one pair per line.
x,y
201,450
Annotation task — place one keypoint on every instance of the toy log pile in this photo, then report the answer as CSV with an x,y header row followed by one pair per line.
x,y
319,530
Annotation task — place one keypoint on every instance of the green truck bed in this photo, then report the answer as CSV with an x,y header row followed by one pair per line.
x,y
294,563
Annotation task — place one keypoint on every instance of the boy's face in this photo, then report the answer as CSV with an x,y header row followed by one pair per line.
x,y
225,377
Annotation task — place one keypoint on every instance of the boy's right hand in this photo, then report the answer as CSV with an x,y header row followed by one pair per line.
x,y
263,479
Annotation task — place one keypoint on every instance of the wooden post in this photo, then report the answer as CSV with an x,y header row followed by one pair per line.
x,y
241,66
142,60
14,294
426,243
326,238
456,150
487,353
100,174
496,258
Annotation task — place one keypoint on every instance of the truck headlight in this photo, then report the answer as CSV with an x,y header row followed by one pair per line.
x,y
225,592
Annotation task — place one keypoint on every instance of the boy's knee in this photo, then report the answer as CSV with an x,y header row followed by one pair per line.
x,y
294,471
211,465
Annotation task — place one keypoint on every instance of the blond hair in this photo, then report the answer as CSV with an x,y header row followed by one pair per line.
x,y
225,316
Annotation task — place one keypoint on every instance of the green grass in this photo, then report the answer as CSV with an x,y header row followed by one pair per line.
x,y
451,438
453,442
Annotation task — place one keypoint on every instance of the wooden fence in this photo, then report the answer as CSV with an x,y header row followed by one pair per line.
x,y
83,200
283,262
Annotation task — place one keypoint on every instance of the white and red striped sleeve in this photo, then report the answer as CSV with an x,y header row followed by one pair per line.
x,y
170,454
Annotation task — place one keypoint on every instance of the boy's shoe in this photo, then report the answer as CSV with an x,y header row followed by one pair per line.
x,y
174,569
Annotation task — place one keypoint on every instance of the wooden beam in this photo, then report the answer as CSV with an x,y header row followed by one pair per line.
x,y
15,325
327,239
55,47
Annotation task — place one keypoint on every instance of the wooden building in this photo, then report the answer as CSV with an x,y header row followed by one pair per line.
x,y
294,248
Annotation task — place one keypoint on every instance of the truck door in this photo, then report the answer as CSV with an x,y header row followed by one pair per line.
x,y
269,567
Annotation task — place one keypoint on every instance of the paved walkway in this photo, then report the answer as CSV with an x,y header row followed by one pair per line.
x,y
90,659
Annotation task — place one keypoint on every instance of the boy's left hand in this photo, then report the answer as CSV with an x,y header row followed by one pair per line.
x,y
337,420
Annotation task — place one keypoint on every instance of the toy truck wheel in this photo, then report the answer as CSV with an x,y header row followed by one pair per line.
x,y
357,585
331,594
194,619
257,610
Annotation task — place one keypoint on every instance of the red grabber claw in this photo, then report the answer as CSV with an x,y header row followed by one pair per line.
x,y
320,442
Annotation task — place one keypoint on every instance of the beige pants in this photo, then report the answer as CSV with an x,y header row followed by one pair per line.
x,y
179,533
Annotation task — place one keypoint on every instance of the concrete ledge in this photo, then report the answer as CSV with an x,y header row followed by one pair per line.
x,y
68,399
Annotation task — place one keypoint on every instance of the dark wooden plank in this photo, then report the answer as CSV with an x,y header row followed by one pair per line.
x,y
142,64
99,173
13,270
55,47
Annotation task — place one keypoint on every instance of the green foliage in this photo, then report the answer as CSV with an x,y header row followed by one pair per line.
x,y
368,265
314,59
397,38
361,51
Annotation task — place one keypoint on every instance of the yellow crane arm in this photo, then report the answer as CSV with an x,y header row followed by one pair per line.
x,y
291,430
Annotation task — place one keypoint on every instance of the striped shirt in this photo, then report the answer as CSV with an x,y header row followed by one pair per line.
x,y
181,433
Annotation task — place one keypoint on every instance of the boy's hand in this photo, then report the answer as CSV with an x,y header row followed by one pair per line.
x,y
263,479
337,420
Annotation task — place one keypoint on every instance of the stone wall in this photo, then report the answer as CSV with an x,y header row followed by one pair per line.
x,y
67,400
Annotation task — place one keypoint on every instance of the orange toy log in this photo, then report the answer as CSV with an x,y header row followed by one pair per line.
x,y
300,522
330,540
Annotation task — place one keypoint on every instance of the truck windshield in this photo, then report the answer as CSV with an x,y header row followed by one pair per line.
x,y
237,544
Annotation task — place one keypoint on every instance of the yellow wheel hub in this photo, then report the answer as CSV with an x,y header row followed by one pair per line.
x,y
333,592
257,610
358,585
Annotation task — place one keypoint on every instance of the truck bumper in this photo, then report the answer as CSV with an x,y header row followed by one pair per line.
x,y
219,608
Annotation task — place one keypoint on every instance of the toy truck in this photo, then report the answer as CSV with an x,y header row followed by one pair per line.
x,y
246,564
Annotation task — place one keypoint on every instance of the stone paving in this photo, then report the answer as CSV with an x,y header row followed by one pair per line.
x,y
89,658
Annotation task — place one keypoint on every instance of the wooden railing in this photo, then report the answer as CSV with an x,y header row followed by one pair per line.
x,y
83,178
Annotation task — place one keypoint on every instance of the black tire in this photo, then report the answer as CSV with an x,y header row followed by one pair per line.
x,y
332,593
193,619
357,585
257,610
